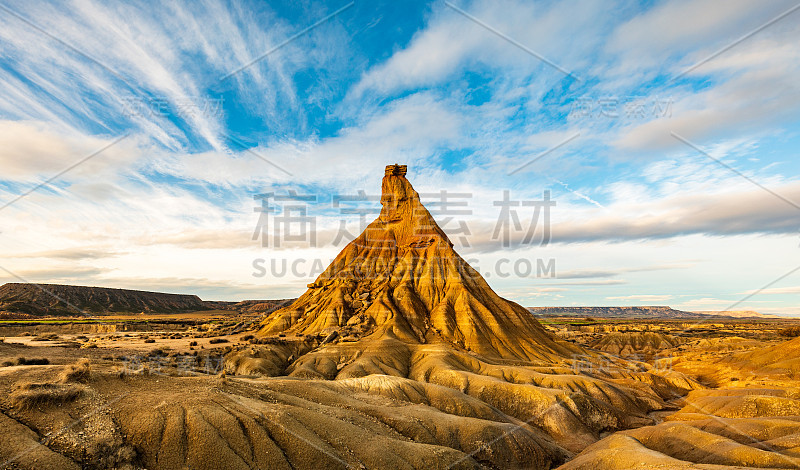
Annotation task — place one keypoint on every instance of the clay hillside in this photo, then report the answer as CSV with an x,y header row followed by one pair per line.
x,y
401,279
56,299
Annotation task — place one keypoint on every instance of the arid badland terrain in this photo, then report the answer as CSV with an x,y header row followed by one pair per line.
x,y
399,355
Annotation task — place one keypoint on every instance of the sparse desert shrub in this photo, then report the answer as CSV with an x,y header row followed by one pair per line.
x,y
78,372
21,361
46,337
82,338
192,343
37,362
150,340
109,453
218,340
790,332
156,352
7,364
26,333
34,395
247,337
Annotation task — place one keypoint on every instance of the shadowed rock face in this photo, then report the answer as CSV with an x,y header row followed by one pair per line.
x,y
56,299
402,279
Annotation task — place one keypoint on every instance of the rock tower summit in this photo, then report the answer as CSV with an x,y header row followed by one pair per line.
x,y
396,170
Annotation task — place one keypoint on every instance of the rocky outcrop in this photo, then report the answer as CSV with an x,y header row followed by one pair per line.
x,y
24,301
401,279
56,299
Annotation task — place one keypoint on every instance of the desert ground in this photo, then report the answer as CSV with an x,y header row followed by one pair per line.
x,y
399,355
163,395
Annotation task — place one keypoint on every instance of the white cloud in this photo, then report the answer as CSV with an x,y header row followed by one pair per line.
x,y
31,149
451,42
407,131
643,297
774,291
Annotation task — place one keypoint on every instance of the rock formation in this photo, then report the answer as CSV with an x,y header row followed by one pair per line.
x,y
402,279
57,299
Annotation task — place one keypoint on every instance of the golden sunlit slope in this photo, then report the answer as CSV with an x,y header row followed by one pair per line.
x,y
402,279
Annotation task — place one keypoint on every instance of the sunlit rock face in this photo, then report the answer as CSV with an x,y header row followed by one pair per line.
x,y
402,279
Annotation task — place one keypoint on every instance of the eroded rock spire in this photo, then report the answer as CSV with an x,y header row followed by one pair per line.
x,y
402,279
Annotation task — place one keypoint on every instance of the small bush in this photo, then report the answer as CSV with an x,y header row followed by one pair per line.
x,y
218,340
36,362
192,343
21,361
247,337
150,340
46,337
790,332
7,364
43,394
78,372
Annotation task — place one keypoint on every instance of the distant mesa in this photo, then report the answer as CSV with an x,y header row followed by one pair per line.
x,y
657,311
36,300
618,312
738,314
57,300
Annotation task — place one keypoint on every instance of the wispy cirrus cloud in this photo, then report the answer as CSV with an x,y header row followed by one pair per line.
x,y
421,85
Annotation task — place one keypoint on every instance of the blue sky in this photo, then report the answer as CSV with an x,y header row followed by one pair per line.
x,y
667,133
